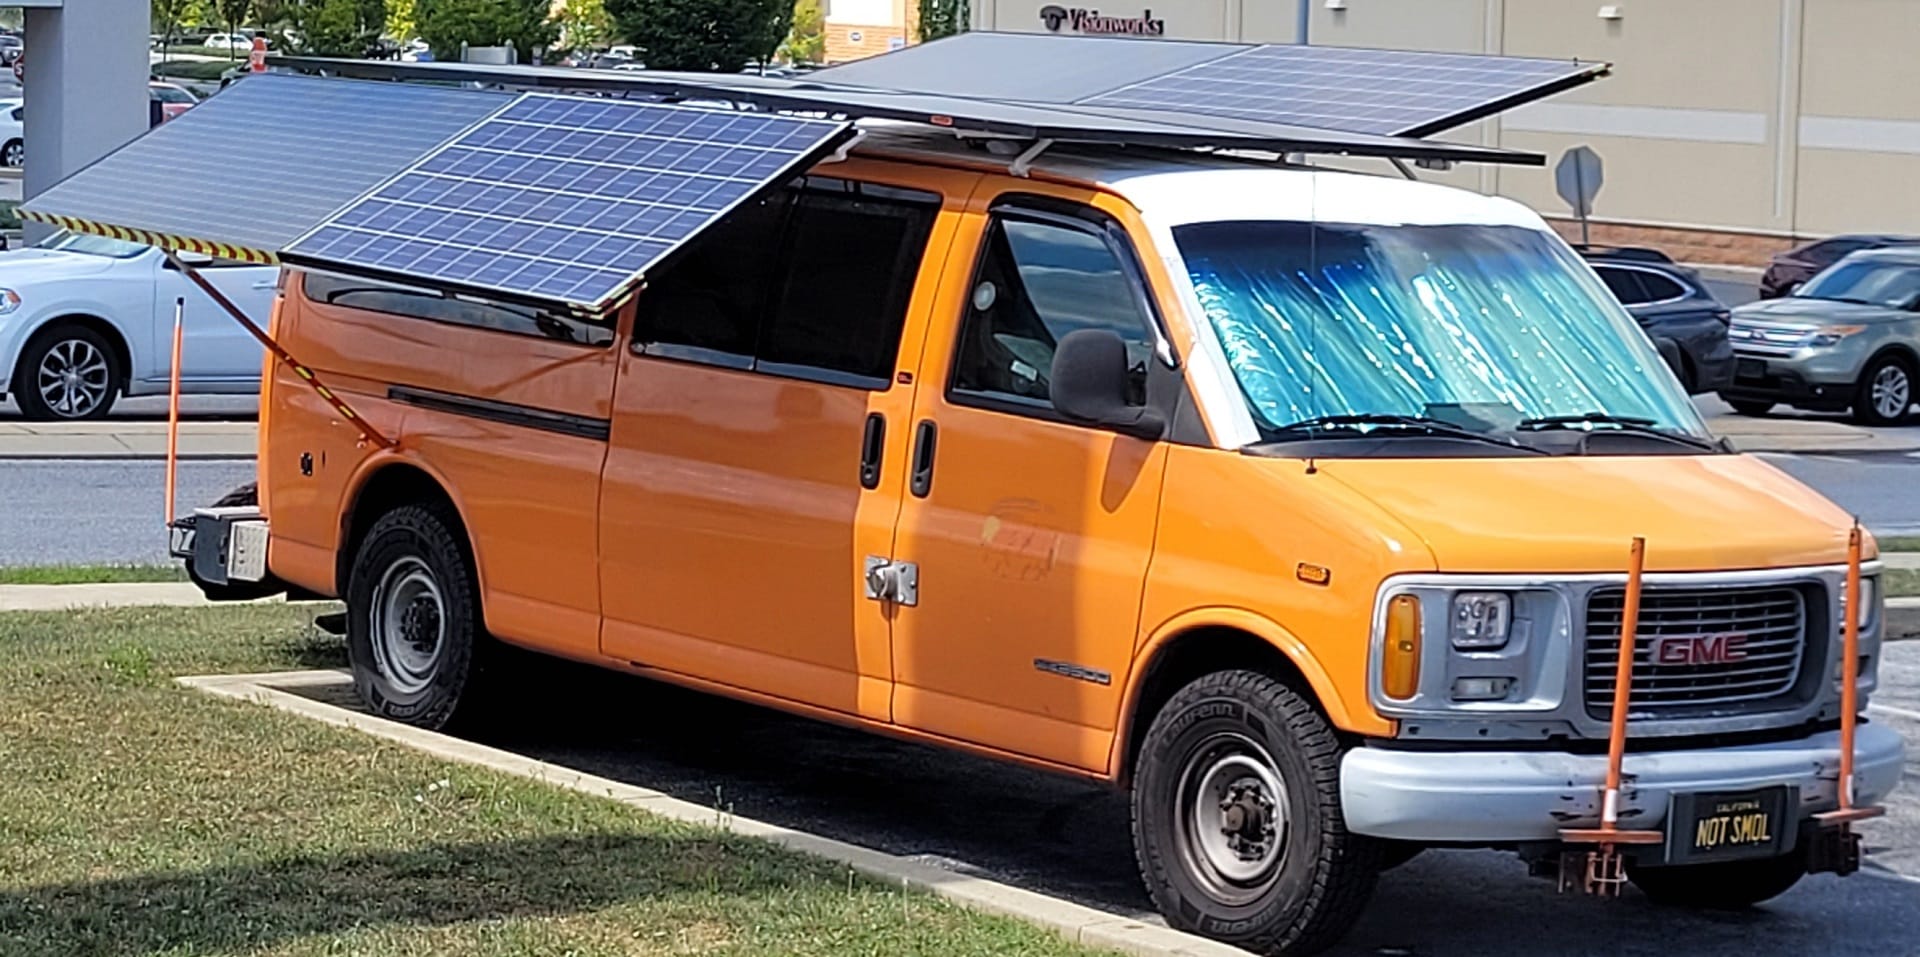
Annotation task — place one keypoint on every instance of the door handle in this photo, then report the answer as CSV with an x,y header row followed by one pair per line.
x,y
267,284
920,480
872,444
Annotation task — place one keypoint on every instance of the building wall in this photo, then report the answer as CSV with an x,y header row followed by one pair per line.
x,y
1728,128
863,28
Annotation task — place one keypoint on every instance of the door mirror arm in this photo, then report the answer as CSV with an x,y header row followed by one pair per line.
x,y
1089,380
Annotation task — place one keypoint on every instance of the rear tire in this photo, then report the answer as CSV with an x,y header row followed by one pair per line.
x,y
1730,885
1884,393
414,632
1750,407
1237,822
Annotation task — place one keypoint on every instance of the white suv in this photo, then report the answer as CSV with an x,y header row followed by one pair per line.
x,y
85,319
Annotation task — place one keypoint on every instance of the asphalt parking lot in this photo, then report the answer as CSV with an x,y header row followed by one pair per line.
x,y
1070,838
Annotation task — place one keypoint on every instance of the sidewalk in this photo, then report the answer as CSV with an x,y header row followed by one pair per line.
x,y
121,439
1806,435
124,595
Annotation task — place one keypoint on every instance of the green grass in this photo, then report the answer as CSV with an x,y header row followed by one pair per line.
x,y
89,574
1899,543
1901,582
140,817
196,69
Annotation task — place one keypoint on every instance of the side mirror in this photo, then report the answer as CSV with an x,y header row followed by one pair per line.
x,y
1089,385
191,258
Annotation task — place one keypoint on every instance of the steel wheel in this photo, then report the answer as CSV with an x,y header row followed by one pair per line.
x,y
74,378
409,625
1233,818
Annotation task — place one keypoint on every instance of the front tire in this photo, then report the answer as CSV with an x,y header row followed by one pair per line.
x,y
1731,885
414,634
1885,391
1237,822
69,373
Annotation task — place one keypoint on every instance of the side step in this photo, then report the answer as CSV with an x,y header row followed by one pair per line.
x,y
333,623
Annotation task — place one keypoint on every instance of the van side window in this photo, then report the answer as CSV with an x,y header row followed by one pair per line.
x,y
850,272
1036,282
433,306
811,283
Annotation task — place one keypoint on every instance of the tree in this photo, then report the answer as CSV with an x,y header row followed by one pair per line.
x,y
232,14
807,42
446,24
942,18
167,17
584,24
400,22
717,35
347,28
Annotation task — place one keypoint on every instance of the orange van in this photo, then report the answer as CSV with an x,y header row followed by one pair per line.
x,y
1296,502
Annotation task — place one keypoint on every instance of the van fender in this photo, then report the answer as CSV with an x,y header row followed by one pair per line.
x,y
1325,691
364,473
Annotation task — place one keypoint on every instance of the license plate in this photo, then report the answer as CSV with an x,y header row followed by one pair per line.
x,y
1729,825
1750,368
180,542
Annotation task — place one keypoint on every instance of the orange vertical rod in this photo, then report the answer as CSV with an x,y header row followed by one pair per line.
x,y
173,407
1622,685
1850,668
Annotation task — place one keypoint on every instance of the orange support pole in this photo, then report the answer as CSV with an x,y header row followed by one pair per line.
x,y
1850,668
173,405
1622,687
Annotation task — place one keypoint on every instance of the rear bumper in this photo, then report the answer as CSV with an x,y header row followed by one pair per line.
x,y
1505,797
225,551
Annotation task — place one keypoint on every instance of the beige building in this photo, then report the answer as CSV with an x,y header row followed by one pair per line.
x,y
862,28
1728,129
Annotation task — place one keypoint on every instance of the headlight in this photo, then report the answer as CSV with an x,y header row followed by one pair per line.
x,y
9,301
1864,613
1828,335
1481,620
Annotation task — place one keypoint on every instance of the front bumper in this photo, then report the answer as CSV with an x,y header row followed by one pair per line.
x,y
1509,797
1809,379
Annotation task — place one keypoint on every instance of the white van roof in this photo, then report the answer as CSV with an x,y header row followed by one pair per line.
x,y
1173,187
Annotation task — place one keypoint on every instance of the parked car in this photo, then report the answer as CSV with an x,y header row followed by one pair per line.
x,y
85,319
173,100
229,42
1787,270
11,47
1674,309
13,133
1847,339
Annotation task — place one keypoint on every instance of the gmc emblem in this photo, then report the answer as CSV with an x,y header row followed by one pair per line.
x,y
1700,650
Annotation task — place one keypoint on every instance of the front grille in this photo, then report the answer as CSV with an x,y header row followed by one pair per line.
x,y
1697,647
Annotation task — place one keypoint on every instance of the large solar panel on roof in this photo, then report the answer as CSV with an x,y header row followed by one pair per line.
x,y
1387,92
262,161
564,199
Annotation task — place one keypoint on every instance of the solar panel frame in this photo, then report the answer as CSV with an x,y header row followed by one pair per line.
x,y
563,200
1380,92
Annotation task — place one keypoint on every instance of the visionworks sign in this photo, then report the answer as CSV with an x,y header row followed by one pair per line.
x,y
1083,20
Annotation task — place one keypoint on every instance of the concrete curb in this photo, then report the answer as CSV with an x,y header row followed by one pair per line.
x,y
119,595
1075,922
199,440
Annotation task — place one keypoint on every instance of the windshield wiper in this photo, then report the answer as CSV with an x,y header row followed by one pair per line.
x,y
1364,424
1624,423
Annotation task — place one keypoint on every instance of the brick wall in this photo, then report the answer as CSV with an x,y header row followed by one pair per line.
x,y
1722,247
841,46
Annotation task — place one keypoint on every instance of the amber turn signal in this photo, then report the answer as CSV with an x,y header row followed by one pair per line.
x,y
1400,668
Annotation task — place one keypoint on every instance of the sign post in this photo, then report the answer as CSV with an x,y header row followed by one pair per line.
x,y
1577,179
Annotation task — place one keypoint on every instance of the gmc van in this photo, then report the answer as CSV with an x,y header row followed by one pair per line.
x,y
1296,502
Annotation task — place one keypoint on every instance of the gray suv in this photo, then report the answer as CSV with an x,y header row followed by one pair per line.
x,y
1847,339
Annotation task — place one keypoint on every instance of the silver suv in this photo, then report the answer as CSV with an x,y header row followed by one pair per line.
x,y
1847,339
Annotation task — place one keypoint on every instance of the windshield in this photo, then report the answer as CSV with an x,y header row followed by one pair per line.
x,y
1487,328
92,245
1894,285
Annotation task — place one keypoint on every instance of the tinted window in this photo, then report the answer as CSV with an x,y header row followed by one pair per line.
x,y
705,303
847,280
812,282
1037,282
1661,288
1830,250
1623,283
418,303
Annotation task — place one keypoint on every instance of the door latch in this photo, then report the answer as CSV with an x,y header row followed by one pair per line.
x,y
888,580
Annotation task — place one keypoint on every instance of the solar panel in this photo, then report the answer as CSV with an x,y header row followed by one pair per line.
x,y
564,199
1387,92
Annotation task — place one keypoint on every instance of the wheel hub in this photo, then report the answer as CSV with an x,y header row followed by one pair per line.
x,y
407,625
1246,819
1232,818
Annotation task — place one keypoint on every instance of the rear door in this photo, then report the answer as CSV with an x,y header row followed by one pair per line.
x,y
758,442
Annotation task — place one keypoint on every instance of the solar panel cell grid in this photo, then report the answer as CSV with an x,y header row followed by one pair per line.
x,y
565,198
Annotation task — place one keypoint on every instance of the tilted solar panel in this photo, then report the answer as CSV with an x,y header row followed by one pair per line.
x,y
1384,92
564,199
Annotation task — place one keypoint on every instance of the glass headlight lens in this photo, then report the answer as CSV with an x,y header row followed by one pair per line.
x,y
1864,613
9,301
1481,620
1830,335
